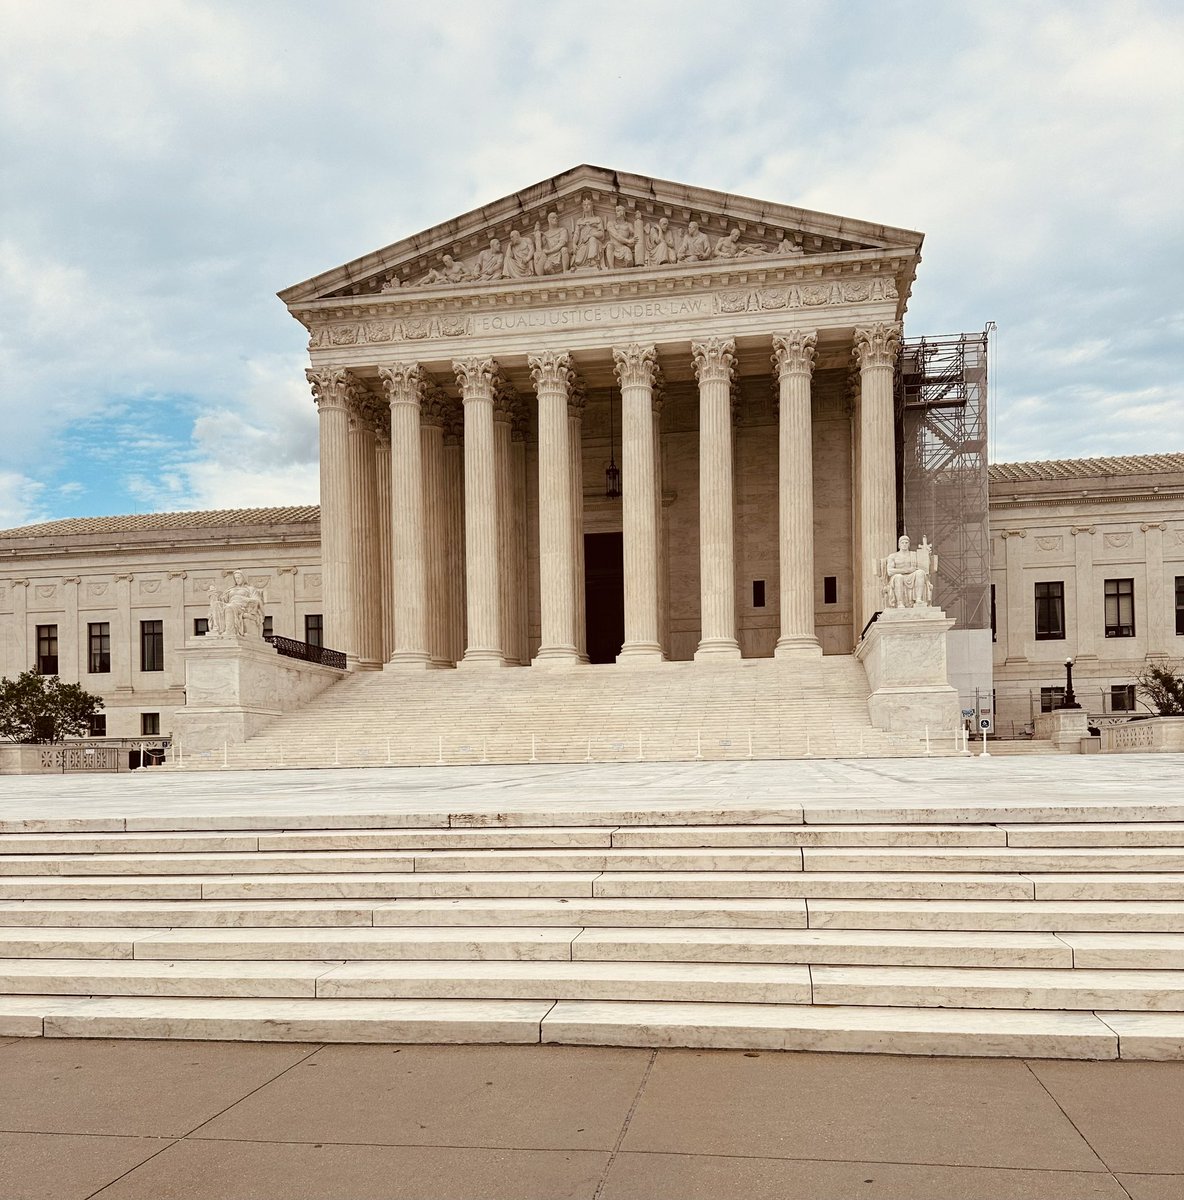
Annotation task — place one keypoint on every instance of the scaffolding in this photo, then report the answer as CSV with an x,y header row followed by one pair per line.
x,y
941,463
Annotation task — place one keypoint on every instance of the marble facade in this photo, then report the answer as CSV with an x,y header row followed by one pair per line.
x,y
740,353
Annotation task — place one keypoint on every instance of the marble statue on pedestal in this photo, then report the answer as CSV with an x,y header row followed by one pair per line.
x,y
906,576
237,611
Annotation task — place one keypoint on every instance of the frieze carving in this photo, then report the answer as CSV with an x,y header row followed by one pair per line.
x,y
149,587
96,589
1050,543
1118,541
45,591
594,239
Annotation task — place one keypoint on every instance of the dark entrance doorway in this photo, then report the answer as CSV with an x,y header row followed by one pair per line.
x,y
604,586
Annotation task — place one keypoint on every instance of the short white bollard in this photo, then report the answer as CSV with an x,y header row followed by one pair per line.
x,y
484,750
224,754
808,753
588,756
928,752
533,755
750,743
640,750
983,752
336,752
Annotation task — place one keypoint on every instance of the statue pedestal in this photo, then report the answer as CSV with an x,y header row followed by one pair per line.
x,y
235,686
904,655
1064,727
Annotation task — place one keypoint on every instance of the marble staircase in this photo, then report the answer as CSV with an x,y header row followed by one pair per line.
x,y
755,708
1006,928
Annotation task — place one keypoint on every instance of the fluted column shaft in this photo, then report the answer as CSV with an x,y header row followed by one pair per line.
x,y
456,591
484,648
875,351
405,384
508,586
575,447
436,533
793,357
517,571
330,387
382,475
552,379
714,360
367,587
636,367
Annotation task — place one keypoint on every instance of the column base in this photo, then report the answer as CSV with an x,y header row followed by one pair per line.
x,y
481,660
409,660
640,654
714,649
557,656
797,647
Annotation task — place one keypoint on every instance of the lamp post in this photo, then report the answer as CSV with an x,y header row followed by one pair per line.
x,y
1070,699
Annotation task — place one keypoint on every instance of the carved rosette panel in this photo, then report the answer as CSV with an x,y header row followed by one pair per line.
x,y
476,378
635,366
1119,541
1050,543
877,346
793,352
714,360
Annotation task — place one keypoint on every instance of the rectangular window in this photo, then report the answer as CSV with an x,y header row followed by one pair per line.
x,y
1180,605
1122,697
314,629
151,645
268,630
96,725
1050,612
98,641
1051,698
1120,608
758,593
150,724
47,649
830,589
201,626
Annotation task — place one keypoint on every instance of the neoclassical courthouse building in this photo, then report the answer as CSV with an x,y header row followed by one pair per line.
x,y
615,420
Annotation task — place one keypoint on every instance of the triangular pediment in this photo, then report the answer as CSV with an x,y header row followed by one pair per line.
x,y
593,222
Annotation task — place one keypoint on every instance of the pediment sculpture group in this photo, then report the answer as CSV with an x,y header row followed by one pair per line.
x,y
906,576
592,242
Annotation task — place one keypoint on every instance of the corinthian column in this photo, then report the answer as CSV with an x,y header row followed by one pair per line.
x,y
330,387
434,416
476,379
552,375
875,351
793,356
405,384
636,369
509,587
576,402
386,577
453,599
367,587
714,359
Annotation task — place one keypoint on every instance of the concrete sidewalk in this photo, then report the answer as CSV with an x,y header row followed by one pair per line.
x,y
139,1120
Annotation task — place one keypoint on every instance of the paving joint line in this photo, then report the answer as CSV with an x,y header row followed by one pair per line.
x,y
612,1158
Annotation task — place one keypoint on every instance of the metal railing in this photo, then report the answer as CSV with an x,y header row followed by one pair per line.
x,y
306,651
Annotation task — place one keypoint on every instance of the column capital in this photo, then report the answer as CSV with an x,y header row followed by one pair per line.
x,y
577,398
477,377
793,352
436,408
635,365
330,386
551,371
382,436
77,579
876,346
714,359
403,382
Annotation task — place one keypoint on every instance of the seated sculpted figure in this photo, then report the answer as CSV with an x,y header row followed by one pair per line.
x,y
519,260
619,252
236,609
659,244
696,246
491,262
552,247
587,254
451,272
907,575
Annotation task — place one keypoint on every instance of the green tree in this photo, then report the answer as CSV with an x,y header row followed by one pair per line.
x,y
1164,689
41,708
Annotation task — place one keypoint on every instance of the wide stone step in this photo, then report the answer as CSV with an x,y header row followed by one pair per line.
x,y
1051,915
963,987
844,1029
848,1029
1067,859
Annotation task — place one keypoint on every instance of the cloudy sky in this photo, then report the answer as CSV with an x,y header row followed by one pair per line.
x,y
168,165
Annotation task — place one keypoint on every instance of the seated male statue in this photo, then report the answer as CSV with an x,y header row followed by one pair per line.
x,y
906,575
